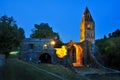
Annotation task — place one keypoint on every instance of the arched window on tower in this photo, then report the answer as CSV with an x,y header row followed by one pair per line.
x,y
88,26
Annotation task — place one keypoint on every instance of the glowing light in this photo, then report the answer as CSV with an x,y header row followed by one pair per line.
x,y
45,46
82,31
61,52
52,43
88,26
79,56
14,52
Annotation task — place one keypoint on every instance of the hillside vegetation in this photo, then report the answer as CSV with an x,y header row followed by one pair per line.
x,y
110,51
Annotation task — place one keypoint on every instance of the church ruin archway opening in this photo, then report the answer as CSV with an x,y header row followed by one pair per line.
x,y
45,58
76,55
73,54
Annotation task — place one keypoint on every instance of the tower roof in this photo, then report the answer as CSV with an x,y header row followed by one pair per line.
x,y
87,15
86,11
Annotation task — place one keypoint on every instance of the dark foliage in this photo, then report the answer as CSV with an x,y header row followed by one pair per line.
x,y
10,35
110,49
43,30
116,33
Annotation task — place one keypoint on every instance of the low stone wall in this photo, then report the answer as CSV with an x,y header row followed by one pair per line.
x,y
2,60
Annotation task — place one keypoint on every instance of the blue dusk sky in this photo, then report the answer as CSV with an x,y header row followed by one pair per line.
x,y
64,16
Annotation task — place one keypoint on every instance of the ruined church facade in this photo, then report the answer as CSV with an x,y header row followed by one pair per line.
x,y
81,53
77,53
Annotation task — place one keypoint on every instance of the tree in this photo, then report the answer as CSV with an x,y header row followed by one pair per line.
x,y
59,43
21,33
117,33
110,35
43,30
10,35
110,51
105,37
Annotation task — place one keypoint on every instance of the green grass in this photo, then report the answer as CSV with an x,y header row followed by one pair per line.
x,y
105,78
96,70
14,70
70,75
60,70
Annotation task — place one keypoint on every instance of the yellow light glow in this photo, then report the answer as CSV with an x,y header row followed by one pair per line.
x,y
82,31
52,43
45,46
79,56
88,26
14,52
61,52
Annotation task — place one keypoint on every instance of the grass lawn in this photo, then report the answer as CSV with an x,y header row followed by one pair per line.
x,y
14,70
85,69
69,75
105,77
60,70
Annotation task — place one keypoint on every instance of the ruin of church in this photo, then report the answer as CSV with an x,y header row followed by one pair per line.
x,y
80,51
75,53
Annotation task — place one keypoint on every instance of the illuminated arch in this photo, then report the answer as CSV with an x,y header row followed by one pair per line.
x,y
76,55
73,54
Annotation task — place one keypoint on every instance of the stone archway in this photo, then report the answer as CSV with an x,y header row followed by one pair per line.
x,y
76,55
45,58
73,54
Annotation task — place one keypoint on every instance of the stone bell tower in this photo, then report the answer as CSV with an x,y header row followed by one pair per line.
x,y
87,29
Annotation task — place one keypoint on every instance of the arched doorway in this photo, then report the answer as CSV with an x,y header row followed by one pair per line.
x,y
73,54
45,58
76,55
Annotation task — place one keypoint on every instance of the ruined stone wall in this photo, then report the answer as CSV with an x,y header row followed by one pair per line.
x,y
33,48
